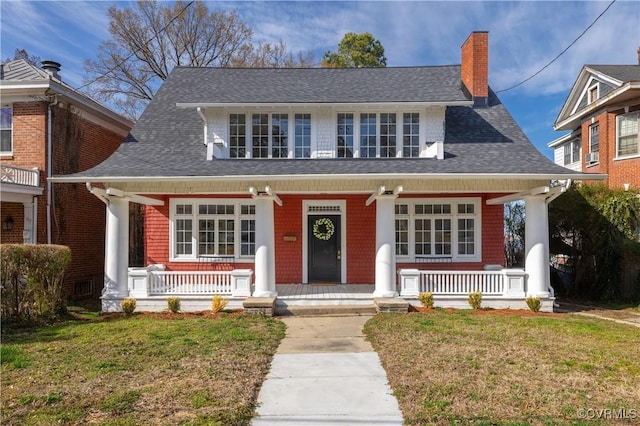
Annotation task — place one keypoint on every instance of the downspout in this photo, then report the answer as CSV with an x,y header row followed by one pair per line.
x,y
50,106
201,114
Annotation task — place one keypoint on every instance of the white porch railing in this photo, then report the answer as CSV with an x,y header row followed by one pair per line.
x,y
504,282
179,282
19,175
154,281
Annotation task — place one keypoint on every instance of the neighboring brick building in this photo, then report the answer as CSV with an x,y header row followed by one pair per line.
x,y
49,128
602,114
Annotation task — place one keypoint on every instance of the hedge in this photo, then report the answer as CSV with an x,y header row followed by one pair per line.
x,y
31,281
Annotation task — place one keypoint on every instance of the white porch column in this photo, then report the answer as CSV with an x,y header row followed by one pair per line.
x,y
265,259
537,246
385,285
29,231
116,262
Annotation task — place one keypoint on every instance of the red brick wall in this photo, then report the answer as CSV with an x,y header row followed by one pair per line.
x,y
78,218
156,240
16,212
360,240
475,64
619,171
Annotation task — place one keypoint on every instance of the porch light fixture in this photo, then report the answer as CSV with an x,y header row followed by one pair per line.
x,y
7,224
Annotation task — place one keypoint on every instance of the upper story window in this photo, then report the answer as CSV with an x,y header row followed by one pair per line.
x,y
627,134
572,152
373,134
438,230
411,134
212,229
368,135
267,135
237,136
6,121
388,134
345,135
594,138
593,93
302,135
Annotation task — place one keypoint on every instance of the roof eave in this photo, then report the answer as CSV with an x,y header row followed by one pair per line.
x,y
472,176
569,122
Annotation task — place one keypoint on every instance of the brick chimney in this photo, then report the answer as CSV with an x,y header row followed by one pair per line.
x,y
475,67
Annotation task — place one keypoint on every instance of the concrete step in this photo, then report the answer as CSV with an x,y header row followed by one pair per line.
x,y
318,310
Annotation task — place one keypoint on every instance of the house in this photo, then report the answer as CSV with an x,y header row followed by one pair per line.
x,y
601,115
49,128
264,182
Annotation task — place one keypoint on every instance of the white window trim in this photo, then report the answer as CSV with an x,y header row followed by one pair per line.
x,y
291,144
570,145
12,132
399,130
590,88
454,216
628,156
194,202
591,127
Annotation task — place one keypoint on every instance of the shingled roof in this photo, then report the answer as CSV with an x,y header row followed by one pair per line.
x,y
619,72
168,140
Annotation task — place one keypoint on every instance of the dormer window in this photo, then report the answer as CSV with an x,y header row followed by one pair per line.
x,y
594,93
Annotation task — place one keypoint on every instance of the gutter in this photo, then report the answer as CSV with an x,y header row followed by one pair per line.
x,y
368,176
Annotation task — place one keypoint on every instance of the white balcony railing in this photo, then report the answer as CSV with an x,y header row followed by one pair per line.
x,y
504,282
19,175
155,281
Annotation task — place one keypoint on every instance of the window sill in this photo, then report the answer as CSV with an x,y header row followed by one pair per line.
x,y
626,157
593,164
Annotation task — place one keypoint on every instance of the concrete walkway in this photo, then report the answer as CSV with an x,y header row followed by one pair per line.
x,y
324,372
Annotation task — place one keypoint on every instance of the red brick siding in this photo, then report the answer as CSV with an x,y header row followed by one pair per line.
x,y
16,212
360,239
78,219
619,171
156,241
288,221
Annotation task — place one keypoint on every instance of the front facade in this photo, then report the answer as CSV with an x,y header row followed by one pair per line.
x,y
48,128
602,115
393,178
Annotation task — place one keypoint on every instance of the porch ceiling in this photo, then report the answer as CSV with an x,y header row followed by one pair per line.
x,y
502,184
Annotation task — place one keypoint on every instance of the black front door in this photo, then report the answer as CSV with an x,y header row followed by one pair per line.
x,y
324,248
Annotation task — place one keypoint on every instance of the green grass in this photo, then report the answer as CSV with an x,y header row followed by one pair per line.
x,y
138,370
495,369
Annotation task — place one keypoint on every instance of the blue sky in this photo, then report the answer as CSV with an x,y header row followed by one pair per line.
x,y
523,37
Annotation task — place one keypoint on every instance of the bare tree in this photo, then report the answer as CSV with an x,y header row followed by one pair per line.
x,y
149,40
266,55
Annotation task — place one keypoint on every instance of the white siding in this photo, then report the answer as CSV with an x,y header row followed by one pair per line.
x,y
323,127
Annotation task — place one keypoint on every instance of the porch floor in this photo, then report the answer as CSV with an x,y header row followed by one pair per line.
x,y
326,292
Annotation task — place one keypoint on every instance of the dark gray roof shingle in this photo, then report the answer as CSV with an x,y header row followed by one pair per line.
x,y
319,85
168,141
619,72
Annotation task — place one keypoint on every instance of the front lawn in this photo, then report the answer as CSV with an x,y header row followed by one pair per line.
x,y
490,368
141,370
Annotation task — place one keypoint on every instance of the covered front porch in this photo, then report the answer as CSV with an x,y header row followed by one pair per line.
x,y
265,243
